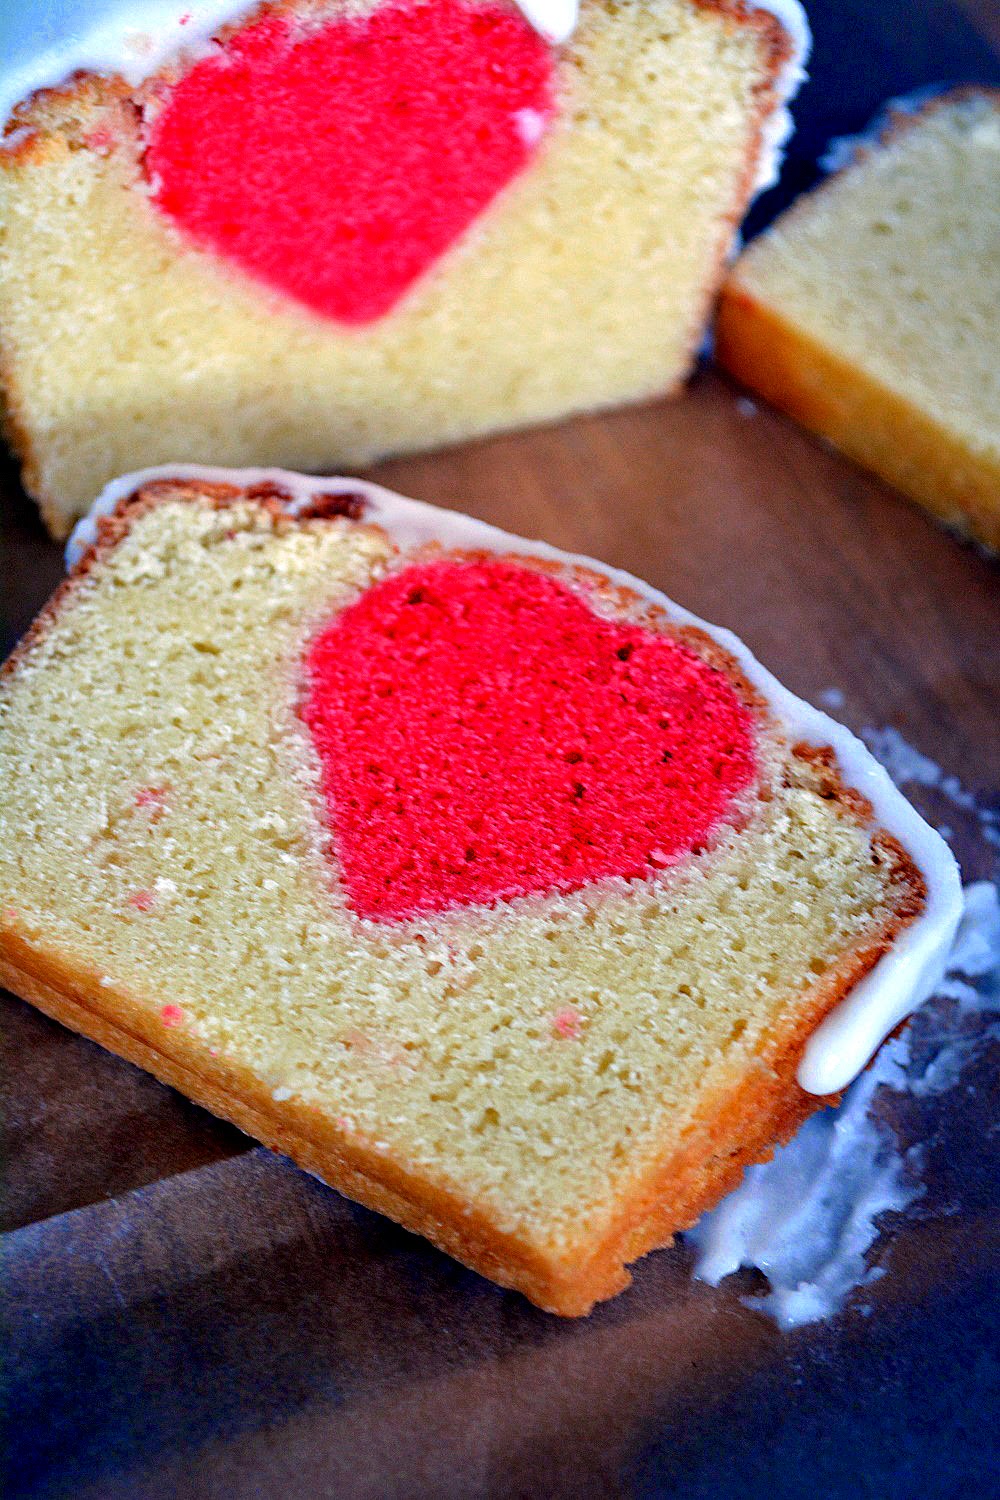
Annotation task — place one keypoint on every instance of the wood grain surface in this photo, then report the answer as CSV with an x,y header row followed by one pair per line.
x,y
842,588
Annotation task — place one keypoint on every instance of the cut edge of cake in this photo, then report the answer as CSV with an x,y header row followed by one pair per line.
x,y
750,1114
889,432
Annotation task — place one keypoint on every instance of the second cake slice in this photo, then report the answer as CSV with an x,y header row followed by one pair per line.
x,y
342,230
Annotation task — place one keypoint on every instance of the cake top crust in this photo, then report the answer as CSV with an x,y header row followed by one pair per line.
x,y
903,977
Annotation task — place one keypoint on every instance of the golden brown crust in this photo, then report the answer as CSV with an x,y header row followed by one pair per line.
x,y
750,1111
743,1122
312,1139
748,1115
745,1119
778,48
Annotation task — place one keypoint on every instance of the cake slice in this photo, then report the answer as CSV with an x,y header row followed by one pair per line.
x,y
870,311
483,881
340,230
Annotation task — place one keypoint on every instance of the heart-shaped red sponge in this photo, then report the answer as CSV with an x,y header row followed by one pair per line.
x,y
483,733
338,161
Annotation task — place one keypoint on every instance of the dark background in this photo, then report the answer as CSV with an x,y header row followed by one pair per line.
x,y
186,1315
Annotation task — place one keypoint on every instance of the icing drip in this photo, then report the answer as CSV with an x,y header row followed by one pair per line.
x,y
808,1217
905,976
554,19
779,125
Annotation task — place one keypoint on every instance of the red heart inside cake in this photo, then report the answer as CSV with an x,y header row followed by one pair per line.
x,y
339,162
483,734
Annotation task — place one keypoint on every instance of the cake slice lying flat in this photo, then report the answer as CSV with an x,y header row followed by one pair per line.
x,y
871,311
344,230
485,883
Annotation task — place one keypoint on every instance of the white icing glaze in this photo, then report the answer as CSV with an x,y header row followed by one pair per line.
x,y
554,19
807,1218
43,44
903,977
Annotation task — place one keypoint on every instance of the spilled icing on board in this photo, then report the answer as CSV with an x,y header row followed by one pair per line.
x,y
909,766
808,1217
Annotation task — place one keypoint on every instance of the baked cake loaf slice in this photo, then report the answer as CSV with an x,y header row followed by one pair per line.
x,y
483,881
870,311
344,230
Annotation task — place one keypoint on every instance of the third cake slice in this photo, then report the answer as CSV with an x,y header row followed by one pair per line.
x,y
480,879
870,311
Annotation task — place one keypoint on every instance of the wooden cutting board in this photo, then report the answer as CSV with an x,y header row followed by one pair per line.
x,y
189,1316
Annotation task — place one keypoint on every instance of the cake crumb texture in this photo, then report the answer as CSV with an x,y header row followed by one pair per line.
x,y
871,311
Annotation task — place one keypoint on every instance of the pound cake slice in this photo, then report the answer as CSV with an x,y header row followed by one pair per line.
x,y
871,311
481,880
335,230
